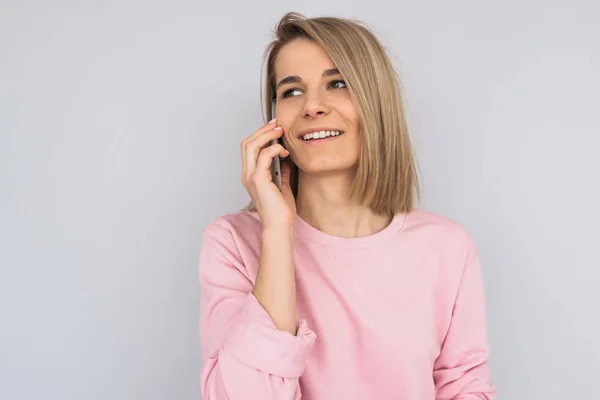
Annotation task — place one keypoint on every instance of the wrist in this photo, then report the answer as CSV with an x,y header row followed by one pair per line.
x,y
279,230
277,238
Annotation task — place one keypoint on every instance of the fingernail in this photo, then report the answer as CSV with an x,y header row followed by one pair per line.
x,y
277,128
273,120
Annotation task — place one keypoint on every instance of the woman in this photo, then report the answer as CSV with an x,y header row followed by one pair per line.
x,y
337,287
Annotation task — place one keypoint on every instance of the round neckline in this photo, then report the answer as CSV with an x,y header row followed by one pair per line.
x,y
304,229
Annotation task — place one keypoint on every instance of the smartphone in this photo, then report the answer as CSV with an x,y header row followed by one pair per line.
x,y
276,163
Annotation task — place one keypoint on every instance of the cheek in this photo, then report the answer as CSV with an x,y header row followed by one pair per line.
x,y
285,120
283,114
349,112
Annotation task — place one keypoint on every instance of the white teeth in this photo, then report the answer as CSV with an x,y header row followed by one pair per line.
x,y
320,135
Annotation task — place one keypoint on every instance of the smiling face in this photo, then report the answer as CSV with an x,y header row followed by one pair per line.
x,y
319,119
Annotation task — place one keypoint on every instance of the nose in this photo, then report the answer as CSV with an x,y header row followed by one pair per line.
x,y
314,107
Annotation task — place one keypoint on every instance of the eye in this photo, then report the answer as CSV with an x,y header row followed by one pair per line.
x,y
336,84
288,93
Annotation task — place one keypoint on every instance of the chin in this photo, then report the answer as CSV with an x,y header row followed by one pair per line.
x,y
326,167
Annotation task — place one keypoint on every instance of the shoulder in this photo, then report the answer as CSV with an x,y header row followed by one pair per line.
x,y
441,234
241,228
230,245
422,219
241,221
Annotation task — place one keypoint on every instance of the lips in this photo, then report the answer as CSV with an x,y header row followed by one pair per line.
x,y
320,130
321,135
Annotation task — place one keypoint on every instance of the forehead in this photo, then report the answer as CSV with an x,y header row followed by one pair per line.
x,y
301,57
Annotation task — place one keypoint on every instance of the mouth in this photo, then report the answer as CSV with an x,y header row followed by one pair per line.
x,y
316,136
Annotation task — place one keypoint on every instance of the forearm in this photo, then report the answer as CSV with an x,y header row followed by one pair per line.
x,y
244,355
275,286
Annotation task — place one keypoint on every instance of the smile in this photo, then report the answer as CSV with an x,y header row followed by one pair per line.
x,y
321,135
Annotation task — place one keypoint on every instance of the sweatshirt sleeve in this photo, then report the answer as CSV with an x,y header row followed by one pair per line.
x,y
461,371
244,355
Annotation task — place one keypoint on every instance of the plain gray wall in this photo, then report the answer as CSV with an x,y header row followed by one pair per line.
x,y
119,131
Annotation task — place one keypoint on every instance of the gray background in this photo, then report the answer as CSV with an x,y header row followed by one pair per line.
x,y
119,131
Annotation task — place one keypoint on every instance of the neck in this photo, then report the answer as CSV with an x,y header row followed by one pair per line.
x,y
325,204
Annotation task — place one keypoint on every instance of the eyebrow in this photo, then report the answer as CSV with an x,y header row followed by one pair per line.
x,y
297,79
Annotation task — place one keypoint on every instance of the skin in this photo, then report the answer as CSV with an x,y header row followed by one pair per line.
x,y
326,171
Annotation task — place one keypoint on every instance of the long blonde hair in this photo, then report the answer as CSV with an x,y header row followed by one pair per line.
x,y
386,176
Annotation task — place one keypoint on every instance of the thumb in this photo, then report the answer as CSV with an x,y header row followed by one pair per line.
x,y
286,172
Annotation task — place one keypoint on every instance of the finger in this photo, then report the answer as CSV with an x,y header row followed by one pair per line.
x,y
286,172
266,157
265,137
265,128
254,148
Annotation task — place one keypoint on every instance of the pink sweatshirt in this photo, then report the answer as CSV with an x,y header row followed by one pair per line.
x,y
398,314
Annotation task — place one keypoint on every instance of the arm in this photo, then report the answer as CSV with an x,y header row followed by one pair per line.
x,y
275,286
461,371
245,355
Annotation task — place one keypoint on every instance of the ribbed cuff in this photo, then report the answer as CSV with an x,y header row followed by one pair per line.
x,y
256,342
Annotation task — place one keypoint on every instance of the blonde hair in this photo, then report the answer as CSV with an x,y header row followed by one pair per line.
x,y
386,175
